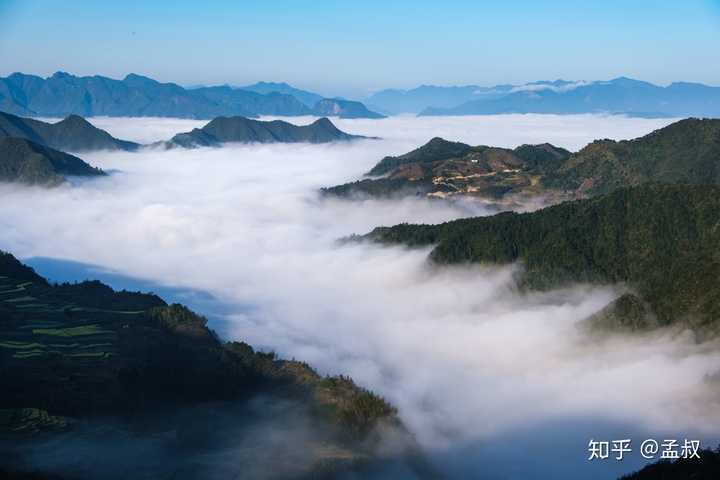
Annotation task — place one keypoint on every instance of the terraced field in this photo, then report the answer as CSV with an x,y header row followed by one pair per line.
x,y
60,343
76,359
45,325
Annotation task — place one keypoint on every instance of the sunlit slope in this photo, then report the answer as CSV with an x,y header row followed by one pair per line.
x,y
685,152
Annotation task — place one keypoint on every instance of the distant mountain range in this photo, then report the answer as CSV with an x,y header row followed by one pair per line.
x,y
685,152
24,161
63,94
309,99
244,130
394,101
344,109
618,96
337,107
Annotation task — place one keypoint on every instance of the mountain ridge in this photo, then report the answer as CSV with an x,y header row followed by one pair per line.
x,y
73,133
621,95
63,94
309,99
27,162
343,109
244,130
687,151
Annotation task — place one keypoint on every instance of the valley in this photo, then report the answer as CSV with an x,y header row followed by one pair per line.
x,y
296,292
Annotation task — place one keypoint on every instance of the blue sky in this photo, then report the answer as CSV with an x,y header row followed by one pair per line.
x,y
353,48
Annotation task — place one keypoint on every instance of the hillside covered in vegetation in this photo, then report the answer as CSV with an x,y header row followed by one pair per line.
x,y
445,169
73,133
659,240
24,161
244,130
81,361
685,152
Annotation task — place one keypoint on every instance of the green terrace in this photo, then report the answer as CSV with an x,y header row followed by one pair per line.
x,y
44,323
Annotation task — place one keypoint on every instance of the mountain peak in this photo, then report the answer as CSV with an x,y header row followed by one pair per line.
x,y
75,120
436,149
136,79
324,121
244,130
437,141
627,81
343,108
60,75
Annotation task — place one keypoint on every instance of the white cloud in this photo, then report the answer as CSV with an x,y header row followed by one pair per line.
x,y
152,130
536,87
464,356
403,133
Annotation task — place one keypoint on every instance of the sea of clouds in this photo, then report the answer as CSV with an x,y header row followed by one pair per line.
x,y
478,370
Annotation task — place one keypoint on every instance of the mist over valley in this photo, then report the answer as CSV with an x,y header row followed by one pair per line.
x,y
476,366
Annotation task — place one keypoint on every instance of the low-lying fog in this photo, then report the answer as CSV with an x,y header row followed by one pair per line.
x,y
492,382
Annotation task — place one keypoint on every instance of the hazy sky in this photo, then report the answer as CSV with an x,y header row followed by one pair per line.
x,y
357,47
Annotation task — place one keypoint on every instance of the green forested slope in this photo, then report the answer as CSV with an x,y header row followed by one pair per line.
x,y
27,162
685,152
244,130
662,241
82,357
73,133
